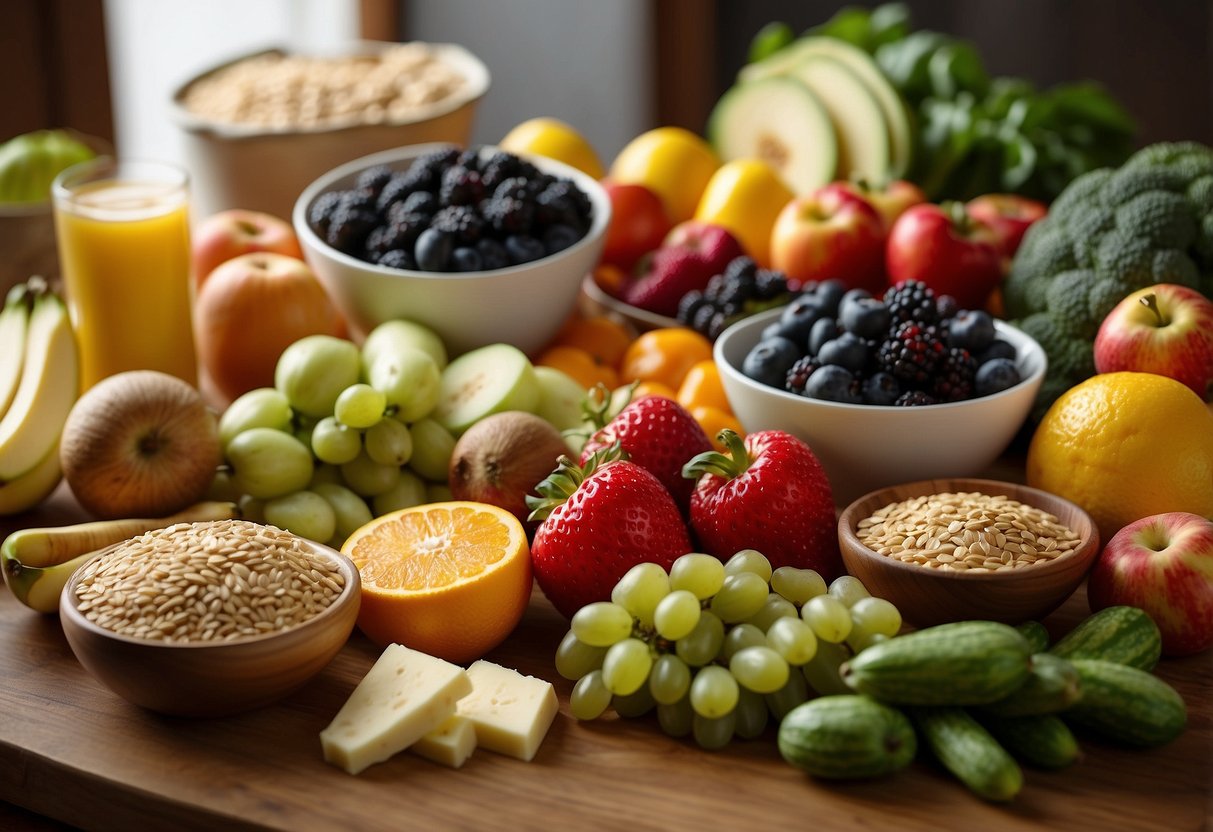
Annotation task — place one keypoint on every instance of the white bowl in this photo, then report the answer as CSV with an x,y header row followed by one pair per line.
x,y
520,305
865,447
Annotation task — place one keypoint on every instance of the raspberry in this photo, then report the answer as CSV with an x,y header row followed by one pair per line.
x,y
798,376
955,376
911,300
912,353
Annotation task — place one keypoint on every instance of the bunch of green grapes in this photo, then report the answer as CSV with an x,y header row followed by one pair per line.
x,y
343,436
718,648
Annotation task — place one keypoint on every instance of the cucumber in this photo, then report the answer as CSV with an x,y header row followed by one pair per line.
x,y
1052,686
1044,741
1125,635
1036,634
847,737
969,751
965,663
1127,705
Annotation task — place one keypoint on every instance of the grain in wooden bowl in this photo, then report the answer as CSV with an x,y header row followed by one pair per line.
x,y
957,549
209,619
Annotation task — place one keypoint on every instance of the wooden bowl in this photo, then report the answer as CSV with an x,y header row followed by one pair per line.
x,y
208,679
927,596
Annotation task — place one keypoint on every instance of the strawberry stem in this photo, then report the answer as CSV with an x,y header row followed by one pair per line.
x,y
567,478
727,465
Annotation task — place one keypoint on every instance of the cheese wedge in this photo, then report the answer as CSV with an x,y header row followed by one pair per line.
x,y
450,744
511,712
405,695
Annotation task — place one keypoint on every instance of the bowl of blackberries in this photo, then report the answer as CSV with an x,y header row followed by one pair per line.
x,y
481,245
885,390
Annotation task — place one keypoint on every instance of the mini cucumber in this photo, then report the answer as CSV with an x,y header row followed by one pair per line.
x,y
1051,686
1127,705
1044,741
1125,635
847,737
969,751
1036,634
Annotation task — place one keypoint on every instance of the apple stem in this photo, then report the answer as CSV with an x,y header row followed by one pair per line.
x,y
1151,302
959,215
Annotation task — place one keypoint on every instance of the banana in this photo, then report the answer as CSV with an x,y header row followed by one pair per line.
x,y
48,389
14,324
37,563
32,487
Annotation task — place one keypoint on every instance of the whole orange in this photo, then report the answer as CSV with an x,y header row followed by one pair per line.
x,y
665,355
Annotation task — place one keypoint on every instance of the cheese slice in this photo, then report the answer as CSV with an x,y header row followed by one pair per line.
x,y
450,744
511,712
405,695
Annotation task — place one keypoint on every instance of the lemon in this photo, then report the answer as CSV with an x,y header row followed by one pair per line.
x,y
673,163
556,140
1125,446
745,196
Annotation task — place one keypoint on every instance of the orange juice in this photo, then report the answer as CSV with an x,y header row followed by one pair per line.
x,y
123,231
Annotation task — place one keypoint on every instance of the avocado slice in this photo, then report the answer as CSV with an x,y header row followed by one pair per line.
x,y
863,138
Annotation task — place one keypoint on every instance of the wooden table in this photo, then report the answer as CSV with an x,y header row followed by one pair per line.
x,y
71,750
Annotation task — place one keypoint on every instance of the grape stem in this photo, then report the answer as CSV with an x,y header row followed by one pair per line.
x,y
728,465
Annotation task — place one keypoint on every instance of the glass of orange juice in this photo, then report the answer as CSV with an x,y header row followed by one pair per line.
x,y
124,251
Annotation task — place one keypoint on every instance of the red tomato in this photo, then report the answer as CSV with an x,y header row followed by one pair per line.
x,y
638,224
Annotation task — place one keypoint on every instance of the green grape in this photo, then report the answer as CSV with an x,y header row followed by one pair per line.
x,y
699,574
433,446
793,639
334,443
252,509
575,658
267,463
350,510
325,473
703,643
398,333
860,640
670,679
713,692
675,720
848,589
741,596
830,620
749,560
359,406
601,624
634,704
626,666
408,491
313,371
740,637
676,615
759,668
264,407
774,608
713,734
302,427
640,589
389,442
795,692
304,513
590,697
875,615
798,585
410,380
369,478
821,671
751,713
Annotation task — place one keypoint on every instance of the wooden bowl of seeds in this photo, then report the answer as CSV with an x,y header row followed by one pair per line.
x,y
957,549
210,619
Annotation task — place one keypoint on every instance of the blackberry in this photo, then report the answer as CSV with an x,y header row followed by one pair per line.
x,y
911,353
349,228
689,304
719,323
502,166
513,188
399,187
798,375
558,237
377,243
946,307
374,178
701,320
398,258
414,179
420,202
914,398
461,222
363,199
469,159
408,226
741,267
955,376
320,213
769,284
714,286
436,161
911,300
509,215
553,206
460,186
735,290
492,254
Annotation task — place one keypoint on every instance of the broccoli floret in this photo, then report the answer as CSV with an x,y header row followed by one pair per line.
x,y
1110,233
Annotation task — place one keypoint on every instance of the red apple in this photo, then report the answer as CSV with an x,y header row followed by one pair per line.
x,y
1164,565
830,233
638,223
1164,329
1009,215
949,250
228,234
891,201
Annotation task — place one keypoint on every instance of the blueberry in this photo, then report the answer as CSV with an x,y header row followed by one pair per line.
x,y
559,237
492,254
867,317
995,375
769,360
466,259
998,349
946,307
833,384
847,350
800,315
433,250
881,389
523,248
972,329
824,329
829,294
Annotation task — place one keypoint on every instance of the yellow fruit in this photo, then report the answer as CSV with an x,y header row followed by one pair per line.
x,y
556,140
1125,446
745,196
450,579
672,162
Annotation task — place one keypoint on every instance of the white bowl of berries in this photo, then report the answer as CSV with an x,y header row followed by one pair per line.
x,y
481,246
884,391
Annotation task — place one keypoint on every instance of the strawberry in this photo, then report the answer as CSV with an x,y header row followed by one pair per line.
x,y
659,435
666,275
767,493
599,521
